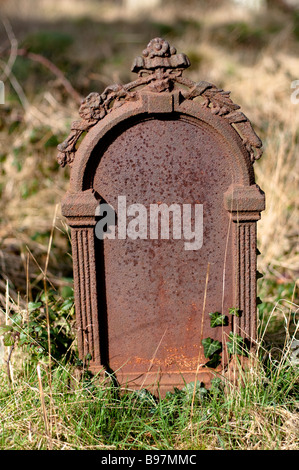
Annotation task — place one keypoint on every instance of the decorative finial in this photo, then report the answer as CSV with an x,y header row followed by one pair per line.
x,y
159,55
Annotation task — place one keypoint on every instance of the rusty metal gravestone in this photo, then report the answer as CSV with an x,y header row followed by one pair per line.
x,y
159,296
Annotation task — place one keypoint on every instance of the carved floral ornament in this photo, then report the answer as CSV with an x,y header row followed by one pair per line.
x,y
159,70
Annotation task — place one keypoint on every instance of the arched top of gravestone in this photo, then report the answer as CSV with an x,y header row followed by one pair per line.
x,y
160,90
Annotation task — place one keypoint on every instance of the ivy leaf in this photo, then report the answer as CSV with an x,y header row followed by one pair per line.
x,y
217,319
196,389
214,361
210,346
235,311
236,345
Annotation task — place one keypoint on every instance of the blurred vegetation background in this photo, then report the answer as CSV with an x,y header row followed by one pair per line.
x,y
52,54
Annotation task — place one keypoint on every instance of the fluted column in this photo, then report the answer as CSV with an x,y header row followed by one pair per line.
x,y
245,204
79,209
86,292
246,278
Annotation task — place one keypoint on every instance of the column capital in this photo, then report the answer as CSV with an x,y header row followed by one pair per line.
x,y
80,208
245,203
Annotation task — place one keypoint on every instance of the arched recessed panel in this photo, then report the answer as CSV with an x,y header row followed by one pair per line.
x,y
156,288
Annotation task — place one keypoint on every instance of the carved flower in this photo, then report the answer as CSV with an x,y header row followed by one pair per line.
x,y
91,107
158,48
65,158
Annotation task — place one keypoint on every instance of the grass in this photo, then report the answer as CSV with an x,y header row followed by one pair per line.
x,y
55,403
85,414
258,73
255,56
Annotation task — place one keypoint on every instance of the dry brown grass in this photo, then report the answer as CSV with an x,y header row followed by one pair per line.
x,y
258,70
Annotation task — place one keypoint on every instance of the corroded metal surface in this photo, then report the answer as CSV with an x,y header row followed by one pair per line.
x,y
143,305
155,294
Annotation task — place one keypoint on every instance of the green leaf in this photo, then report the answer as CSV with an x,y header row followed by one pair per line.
x,y
8,339
52,314
235,311
196,389
4,329
236,345
210,346
144,396
23,335
16,318
67,305
214,361
34,306
217,319
23,341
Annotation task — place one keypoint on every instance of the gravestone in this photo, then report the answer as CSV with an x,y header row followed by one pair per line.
x,y
162,206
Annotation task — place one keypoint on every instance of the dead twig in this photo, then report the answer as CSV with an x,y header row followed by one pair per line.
x,y
13,48
54,69
15,52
